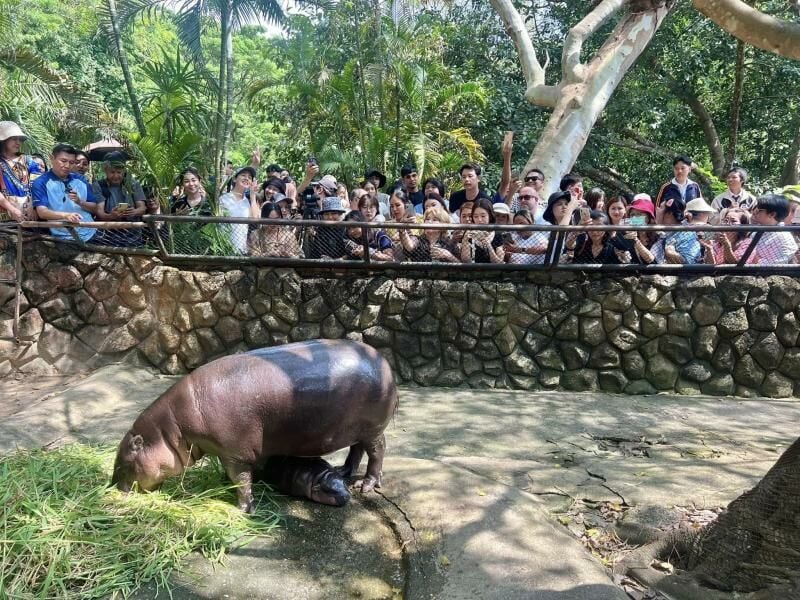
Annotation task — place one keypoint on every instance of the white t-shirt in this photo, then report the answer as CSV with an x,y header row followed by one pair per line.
x,y
232,207
539,238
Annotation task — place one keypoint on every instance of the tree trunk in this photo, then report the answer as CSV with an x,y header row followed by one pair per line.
x,y
755,543
791,170
126,71
580,102
688,95
736,106
753,26
228,122
219,163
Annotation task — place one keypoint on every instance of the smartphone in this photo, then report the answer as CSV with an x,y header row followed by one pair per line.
x,y
411,211
122,206
586,213
638,220
312,160
626,221
507,238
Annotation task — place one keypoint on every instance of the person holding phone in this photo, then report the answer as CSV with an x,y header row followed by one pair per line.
x,y
638,243
482,246
594,246
120,197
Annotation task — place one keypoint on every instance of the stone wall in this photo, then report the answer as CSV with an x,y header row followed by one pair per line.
x,y
729,335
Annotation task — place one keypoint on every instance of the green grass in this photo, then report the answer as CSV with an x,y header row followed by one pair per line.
x,y
65,534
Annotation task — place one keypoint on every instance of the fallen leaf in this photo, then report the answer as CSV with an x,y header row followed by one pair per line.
x,y
444,561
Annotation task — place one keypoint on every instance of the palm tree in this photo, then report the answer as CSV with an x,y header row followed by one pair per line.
x,y
112,26
191,17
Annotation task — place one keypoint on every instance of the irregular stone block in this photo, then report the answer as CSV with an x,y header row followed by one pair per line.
x,y
549,378
640,387
64,277
654,325
378,336
36,287
211,283
718,385
224,303
707,310
575,355
732,324
30,324
685,387
633,364
790,365
53,343
550,359
183,320
581,380
142,324
764,317
704,341
624,339
505,341
788,330
304,331
747,372
677,349
101,284
331,328
698,371
613,381
768,352
169,338
190,351
723,358
520,363
661,372
777,386
680,323
604,356
210,342
611,321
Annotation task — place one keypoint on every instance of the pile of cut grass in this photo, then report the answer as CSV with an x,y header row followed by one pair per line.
x,y
66,534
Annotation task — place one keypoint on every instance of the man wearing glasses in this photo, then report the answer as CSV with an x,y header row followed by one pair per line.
x,y
61,195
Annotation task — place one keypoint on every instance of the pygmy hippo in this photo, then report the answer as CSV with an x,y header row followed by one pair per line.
x,y
303,399
312,478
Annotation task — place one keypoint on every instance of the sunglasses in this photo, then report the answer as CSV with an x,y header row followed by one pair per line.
x,y
533,178
527,197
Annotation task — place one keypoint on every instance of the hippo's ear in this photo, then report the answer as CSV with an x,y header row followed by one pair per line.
x,y
136,443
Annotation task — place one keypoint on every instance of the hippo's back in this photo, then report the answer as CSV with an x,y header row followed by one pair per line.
x,y
322,391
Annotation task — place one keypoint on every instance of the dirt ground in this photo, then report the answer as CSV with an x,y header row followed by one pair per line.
x,y
20,392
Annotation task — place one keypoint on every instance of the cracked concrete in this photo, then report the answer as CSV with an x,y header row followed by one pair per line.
x,y
467,476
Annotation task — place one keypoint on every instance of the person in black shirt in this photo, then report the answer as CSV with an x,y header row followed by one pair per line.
x,y
471,178
410,184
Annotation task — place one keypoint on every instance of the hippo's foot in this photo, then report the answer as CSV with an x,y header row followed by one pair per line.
x,y
248,507
368,484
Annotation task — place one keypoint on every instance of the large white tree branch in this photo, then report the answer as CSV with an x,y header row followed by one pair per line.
x,y
753,26
537,92
573,70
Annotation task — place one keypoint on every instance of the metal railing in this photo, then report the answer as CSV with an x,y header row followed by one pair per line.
x,y
303,243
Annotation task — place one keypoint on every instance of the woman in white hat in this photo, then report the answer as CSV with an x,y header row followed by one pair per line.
x,y
17,168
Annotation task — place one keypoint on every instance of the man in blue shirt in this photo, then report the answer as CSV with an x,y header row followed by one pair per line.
x,y
60,195
677,247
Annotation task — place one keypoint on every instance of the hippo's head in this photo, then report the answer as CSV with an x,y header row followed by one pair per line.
x,y
330,489
136,462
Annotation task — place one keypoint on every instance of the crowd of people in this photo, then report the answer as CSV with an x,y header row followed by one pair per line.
x,y
63,192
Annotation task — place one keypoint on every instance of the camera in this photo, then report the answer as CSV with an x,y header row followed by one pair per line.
x,y
726,203
310,205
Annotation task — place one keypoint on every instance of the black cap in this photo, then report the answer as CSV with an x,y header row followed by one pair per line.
x,y
407,169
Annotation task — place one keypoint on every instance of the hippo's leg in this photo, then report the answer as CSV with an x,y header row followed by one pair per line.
x,y
242,476
351,463
375,450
